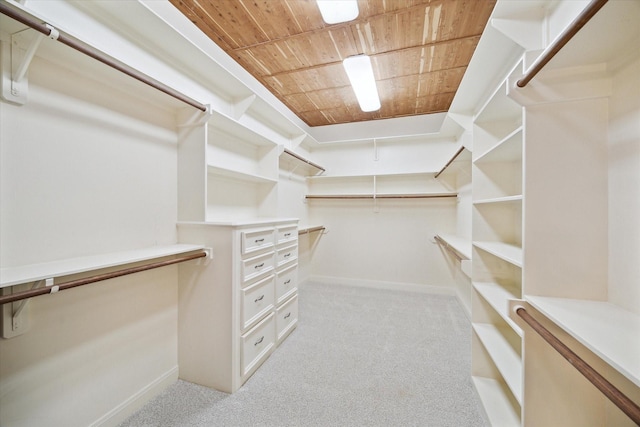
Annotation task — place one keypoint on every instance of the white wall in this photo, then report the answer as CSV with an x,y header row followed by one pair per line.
x,y
386,242
624,188
86,169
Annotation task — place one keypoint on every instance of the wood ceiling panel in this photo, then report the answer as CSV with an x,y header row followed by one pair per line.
x,y
419,48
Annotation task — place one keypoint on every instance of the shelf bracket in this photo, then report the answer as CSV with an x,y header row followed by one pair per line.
x,y
16,59
15,316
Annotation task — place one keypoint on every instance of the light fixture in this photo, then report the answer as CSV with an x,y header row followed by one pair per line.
x,y
360,74
336,11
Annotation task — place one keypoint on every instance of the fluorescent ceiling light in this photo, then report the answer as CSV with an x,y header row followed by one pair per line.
x,y
336,11
360,74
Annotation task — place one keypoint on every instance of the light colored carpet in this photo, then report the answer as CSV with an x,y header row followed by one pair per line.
x,y
359,357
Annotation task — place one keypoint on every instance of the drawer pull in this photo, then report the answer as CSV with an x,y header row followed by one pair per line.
x,y
259,299
259,265
287,234
259,240
287,255
288,314
287,282
259,341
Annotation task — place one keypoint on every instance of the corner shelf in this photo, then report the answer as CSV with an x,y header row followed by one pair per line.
x,y
494,399
498,296
460,246
505,251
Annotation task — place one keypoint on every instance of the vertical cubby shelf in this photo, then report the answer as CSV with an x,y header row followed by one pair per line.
x,y
497,193
226,170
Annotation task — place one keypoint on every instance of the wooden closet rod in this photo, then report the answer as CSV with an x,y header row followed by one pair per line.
x,y
97,278
460,150
616,396
302,159
36,24
562,40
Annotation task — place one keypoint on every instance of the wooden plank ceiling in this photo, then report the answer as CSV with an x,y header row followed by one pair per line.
x,y
420,50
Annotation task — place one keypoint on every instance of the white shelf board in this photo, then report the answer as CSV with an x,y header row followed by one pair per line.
x,y
498,297
499,107
496,404
240,176
225,124
506,359
459,244
379,196
304,229
607,330
30,273
506,199
508,252
509,149
386,175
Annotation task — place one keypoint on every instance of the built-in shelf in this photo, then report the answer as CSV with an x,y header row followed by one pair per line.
x,y
506,150
381,196
506,359
496,403
240,176
505,251
616,340
498,297
506,199
459,245
31,273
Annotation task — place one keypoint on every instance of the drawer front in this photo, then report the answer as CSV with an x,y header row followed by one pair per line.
x,y
257,240
257,301
286,254
257,344
286,234
286,283
287,318
257,266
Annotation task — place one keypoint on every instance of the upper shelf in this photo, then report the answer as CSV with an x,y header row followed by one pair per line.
x,y
31,273
614,340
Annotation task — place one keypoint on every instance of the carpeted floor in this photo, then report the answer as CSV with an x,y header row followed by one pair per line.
x,y
359,357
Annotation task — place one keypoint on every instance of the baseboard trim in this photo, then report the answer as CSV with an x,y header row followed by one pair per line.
x,y
375,284
138,400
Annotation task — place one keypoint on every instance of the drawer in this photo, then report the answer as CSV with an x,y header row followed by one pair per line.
x,y
286,283
257,300
287,318
257,266
257,344
257,240
286,254
286,234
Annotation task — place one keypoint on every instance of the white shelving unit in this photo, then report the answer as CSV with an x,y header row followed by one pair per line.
x,y
497,256
549,187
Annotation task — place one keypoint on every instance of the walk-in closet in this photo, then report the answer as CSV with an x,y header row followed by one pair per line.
x,y
201,223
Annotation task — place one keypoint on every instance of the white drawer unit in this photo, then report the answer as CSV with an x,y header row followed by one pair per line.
x,y
286,283
257,266
286,254
286,234
257,300
235,309
257,240
286,318
257,344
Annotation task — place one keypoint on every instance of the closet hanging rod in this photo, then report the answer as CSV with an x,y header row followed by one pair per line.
x,y
609,390
302,159
27,19
460,150
546,56
97,278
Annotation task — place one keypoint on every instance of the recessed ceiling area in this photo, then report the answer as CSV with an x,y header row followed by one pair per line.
x,y
420,50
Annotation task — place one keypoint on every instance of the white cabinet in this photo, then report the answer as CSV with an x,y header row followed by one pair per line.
x,y
235,309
